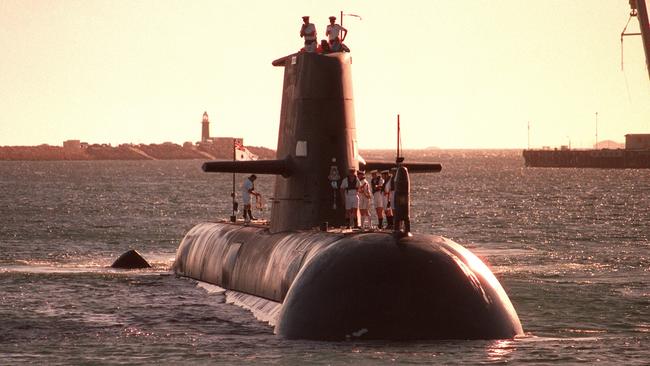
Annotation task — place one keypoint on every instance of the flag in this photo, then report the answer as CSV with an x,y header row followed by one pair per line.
x,y
242,153
352,15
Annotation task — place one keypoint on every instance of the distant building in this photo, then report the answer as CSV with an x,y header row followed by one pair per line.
x,y
214,142
637,141
226,141
72,144
205,127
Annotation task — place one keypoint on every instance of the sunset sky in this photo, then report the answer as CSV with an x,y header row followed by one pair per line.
x,y
462,74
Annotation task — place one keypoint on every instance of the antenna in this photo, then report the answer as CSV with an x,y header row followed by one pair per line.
x,y
399,158
233,217
596,147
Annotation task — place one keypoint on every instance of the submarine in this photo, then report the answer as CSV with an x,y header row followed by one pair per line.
x,y
317,281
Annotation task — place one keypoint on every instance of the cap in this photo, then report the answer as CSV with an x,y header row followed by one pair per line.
x,y
373,171
305,17
332,17
384,172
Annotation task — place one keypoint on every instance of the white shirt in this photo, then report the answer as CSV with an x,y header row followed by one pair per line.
x,y
309,28
364,189
388,187
333,31
246,196
350,192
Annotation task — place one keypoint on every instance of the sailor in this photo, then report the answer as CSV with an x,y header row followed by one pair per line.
x,y
364,200
248,189
323,47
350,190
308,32
333,31
389,194
377,186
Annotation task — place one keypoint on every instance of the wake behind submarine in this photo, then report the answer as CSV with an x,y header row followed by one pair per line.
x,y
331,284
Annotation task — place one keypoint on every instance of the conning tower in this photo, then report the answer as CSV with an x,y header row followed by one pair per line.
x,y
317,130
316,140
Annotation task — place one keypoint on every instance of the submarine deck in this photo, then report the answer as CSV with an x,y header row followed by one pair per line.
x,y
266,224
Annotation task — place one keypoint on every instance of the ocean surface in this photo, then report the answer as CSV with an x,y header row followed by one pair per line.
x,y
571,247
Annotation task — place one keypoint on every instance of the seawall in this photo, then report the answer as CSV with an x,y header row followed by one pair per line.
x,y
601,158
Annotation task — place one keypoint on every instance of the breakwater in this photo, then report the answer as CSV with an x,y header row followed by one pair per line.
x,y
601,158
165,151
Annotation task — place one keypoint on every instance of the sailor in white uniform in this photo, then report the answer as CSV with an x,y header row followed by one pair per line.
x,y
350,190
308,31
364,200
377,186
248,189
333,33
389,195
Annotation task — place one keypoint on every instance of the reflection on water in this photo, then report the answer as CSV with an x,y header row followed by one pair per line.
x,y
499,350
571,248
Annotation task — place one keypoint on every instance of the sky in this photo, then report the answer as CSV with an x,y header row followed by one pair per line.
x,y
461,74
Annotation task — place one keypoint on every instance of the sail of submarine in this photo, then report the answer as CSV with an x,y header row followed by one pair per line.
x,y
332,284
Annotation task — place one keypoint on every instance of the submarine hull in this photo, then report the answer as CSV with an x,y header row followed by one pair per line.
x,y
335,285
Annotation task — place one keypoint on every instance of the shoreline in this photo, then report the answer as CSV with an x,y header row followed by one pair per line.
x,y
164,151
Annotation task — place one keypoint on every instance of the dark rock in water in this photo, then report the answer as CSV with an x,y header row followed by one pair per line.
x,y
130,260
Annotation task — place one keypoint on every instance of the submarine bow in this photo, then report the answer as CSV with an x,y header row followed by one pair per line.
x,y
335,284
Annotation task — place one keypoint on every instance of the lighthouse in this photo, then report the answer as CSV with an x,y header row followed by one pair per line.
x,y
205,130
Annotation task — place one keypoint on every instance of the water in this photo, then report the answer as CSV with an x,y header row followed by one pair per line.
x,y
571,248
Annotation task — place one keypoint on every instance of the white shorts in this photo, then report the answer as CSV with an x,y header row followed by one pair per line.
x,y
351,202
246,199
378,199
364,202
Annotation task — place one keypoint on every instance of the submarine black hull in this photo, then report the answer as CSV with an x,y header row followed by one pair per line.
x,y
334,285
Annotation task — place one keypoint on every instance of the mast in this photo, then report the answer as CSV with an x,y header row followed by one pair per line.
x,y
398,136
596,147
233,217
399,158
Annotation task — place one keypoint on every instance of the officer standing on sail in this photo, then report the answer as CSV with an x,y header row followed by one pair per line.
x,y
333,32
308,32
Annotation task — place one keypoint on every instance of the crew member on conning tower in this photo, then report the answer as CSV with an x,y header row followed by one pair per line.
x,y
308,32
333,32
